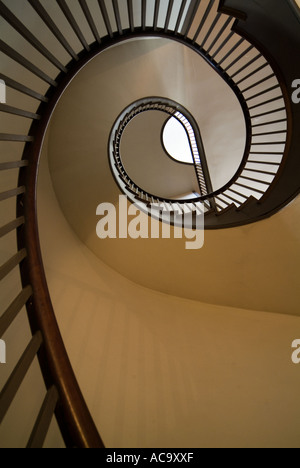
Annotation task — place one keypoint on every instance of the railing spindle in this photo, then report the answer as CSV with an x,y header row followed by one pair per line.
x,y
117,16
44,419
73,23
13,165
22,89
130,15
29,37
11,193
12,263
13,310
180,16
20,112
4,230
105,16
41,11
90,20
15,380
168,16
205,16
16,57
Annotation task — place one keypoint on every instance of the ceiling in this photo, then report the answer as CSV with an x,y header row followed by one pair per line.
x,y
252,267
146,162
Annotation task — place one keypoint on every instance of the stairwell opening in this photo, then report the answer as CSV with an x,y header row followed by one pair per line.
x,y
176,141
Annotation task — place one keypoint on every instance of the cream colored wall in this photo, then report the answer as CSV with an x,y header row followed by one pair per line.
x,y
253,267
159,371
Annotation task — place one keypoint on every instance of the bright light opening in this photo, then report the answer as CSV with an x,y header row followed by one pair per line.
x,y
176,141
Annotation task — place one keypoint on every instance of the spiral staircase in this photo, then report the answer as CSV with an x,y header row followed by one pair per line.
x,y
251,45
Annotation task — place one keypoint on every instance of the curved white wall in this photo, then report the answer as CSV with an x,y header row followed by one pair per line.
x,y
159,371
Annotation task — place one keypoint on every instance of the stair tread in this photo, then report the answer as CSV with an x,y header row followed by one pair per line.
x,y
230,209
248,207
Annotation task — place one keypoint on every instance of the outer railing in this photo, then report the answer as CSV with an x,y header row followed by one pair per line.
x,y
226,45
250,75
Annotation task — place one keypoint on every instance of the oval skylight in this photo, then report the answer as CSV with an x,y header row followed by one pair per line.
x,y
176,142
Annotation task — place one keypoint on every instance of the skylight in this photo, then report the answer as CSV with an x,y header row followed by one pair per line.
x,y
176,141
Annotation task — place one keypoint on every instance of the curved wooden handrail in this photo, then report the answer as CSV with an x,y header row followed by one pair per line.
x,y
75,421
